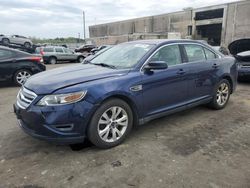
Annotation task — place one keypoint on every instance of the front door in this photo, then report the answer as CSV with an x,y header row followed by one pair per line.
x,y
166,89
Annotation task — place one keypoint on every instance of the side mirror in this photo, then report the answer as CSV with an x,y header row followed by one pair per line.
x,y
156,65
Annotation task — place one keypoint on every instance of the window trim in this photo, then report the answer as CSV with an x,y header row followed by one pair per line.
x,y
59,48
184,49
180,44
216,56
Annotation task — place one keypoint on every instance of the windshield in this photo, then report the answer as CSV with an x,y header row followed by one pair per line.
x,y
122,55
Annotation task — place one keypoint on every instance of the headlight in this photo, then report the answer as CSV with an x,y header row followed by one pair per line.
x,y
60,99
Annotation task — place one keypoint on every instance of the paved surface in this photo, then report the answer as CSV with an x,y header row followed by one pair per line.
x,y
196,148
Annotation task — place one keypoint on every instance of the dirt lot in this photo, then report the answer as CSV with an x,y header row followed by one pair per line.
x,y
196,148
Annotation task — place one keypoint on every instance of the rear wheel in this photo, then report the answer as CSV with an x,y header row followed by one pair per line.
x,y
52,60
221,95
5,41
21,76
110,124
27,45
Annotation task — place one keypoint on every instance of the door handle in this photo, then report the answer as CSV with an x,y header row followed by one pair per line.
x,y
181,71
215,66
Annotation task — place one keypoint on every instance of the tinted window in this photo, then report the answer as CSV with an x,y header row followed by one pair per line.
x,y
5,54
194,52
48,49
209,54
170,54
59,50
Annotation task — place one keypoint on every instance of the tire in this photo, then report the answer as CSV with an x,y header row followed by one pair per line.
x,y
52,60
80,59
27,45
21,76
6,41
220,98
102,128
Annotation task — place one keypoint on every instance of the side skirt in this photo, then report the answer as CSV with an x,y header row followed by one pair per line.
x,y
171,111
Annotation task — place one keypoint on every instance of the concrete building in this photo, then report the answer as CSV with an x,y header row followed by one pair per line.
x,y
219,25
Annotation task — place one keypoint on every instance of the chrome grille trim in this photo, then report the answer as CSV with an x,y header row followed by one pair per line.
x,y
25,97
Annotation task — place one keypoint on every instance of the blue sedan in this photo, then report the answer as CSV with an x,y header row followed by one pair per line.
x,y
129,84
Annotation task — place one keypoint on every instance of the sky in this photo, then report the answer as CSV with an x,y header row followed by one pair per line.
x,y
63,18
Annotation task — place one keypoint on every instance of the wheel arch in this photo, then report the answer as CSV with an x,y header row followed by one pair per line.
x,y
230,80
129,101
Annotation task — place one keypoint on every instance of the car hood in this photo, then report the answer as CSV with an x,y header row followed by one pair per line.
x,y
49,81
240,48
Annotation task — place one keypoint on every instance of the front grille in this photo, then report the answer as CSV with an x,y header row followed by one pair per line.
x,y
25,97
245,66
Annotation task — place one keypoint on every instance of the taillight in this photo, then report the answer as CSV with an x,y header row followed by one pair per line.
x,y
37,59
41,52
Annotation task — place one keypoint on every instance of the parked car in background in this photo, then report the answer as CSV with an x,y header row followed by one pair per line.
x,y
97,49
131,83
92,56
240,49
221,49
17,66
54,54
16,39
85,49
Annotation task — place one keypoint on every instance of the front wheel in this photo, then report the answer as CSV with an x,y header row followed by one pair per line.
x,y
110,124
80,59
221,95
21,76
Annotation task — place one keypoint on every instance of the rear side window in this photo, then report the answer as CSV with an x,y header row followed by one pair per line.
x,y
4,54
170,54
48,49
209,54
59,50
194,53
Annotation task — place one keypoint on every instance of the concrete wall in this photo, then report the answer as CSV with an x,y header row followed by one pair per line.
x,y
238,21
235,24
174,22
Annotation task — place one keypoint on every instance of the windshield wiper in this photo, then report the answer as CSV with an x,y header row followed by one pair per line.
x,y
105,65
86,62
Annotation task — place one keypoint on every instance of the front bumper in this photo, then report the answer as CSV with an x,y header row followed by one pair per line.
x,y
64,124
244,72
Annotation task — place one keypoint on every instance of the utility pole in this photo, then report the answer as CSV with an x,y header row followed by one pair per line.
x,y
84,34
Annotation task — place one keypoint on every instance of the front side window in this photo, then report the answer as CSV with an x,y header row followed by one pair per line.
x,y
194,52
123,55
210,55
170,54
4,54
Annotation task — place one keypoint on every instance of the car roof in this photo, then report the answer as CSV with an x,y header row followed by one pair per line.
x,y
165,41
13,50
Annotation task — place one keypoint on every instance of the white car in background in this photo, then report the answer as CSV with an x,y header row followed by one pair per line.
x,y
16,39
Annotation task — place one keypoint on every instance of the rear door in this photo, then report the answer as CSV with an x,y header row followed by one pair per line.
x,y
7,64
203,65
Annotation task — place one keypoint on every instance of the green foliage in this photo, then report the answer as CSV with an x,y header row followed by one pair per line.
x,y
57,40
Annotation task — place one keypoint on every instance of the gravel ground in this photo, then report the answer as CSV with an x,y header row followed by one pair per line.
x,y
195,148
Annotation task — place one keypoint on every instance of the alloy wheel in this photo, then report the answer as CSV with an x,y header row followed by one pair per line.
x,y
113,124
222,94
22,76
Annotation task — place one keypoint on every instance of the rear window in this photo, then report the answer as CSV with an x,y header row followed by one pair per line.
x,y
194,52
59,50
209,54
48,49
